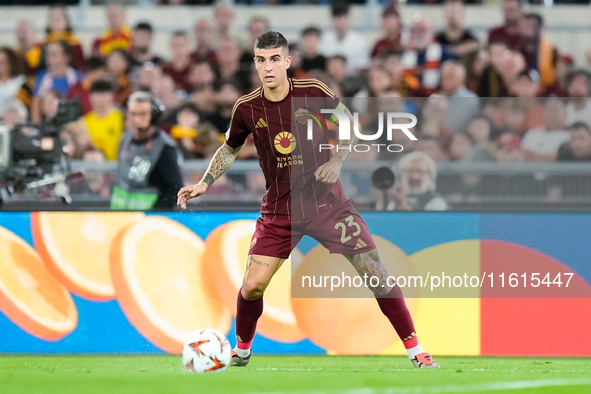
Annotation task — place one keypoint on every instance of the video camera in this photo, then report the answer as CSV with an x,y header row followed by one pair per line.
x,y
33,152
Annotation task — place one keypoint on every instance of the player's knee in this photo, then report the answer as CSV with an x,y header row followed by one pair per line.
x,y
251,290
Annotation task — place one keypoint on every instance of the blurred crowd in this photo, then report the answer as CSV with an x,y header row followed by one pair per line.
x,y
515,97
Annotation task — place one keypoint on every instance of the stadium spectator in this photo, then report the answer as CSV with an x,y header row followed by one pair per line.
x,y
11,77
119,66
59,28
59,76
224,16
311,59
147,76
433,117
507,148
164,90
29,48
117,36
391,28
204,50
226,96
105,122
462,103
579,146
96,68
516,115
48,103
539,53
341,40
491,82
295,68
140,45
416,190
229,61
336,67
542,143
462,44
508,33
203,81
430,145
14,113
98,181
480,129
474,75
423,56
378,81
512,66
179,66
461,146
185,132
527,84
578,86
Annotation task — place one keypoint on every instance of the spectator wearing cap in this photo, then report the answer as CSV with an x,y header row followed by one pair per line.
x,y
462,44
463,104
579,146
509,32
341,40
539,53
96,68
423,56
542,143
311,59
508,148
104,122
391,28
578,86
117,36
140,45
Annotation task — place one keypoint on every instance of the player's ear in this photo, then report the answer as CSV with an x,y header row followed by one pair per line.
x,y
288,62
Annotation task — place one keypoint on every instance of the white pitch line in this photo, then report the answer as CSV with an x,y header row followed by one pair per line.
x,y
450,388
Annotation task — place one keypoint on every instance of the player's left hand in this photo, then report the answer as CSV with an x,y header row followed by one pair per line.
x,y
329,172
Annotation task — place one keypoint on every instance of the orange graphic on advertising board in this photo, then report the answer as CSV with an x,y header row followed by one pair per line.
x,y
29,295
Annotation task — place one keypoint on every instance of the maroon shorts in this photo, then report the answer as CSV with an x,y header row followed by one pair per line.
x,y
340,230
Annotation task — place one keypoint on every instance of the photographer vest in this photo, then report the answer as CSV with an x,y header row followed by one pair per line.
x,y
421,202
135,164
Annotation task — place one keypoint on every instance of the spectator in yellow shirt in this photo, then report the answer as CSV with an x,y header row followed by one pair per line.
x,y
105,122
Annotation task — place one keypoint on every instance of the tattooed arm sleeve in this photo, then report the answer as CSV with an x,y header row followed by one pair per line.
x,y
221,161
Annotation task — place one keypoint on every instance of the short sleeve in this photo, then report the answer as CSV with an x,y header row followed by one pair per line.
x,y
329,98
238,131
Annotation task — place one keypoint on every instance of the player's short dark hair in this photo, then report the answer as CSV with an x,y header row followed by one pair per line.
x,y
95,63
339,8
101,86
271,40
311,31
144,26
580,125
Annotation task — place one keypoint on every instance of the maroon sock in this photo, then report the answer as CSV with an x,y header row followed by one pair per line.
x,y
247,314
394,307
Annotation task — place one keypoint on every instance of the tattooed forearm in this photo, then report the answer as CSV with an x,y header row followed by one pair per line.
x,y
368,263
221,161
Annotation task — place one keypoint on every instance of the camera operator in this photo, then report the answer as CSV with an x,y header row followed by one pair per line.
x,y
148,174
416,190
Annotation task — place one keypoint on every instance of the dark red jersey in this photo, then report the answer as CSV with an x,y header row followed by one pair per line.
x,y
286,155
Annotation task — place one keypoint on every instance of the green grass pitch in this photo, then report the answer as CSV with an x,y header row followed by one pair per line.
x,y
293,374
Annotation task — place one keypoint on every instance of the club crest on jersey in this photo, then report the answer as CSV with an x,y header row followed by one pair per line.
x,y
302,115
285,142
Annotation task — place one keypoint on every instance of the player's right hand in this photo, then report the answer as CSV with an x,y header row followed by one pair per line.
x,y
189,192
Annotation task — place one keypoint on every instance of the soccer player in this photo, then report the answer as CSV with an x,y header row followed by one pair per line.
x,y
317,195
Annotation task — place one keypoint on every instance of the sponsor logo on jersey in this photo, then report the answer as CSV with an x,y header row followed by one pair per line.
x,y
285,142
